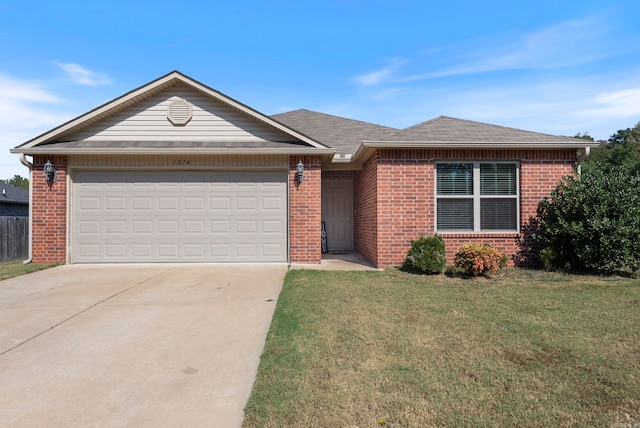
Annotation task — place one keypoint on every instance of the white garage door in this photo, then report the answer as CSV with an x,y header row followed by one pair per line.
x,y
179,216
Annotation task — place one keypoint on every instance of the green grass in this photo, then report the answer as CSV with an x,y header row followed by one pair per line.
x,y
9,270
526,348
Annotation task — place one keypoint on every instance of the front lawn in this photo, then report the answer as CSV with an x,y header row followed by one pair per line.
x,y
527,348
11,269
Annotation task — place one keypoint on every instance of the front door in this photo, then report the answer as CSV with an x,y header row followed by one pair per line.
x,y
337,213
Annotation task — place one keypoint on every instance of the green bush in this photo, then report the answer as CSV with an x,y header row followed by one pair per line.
x,y
479,259
427,255
592,222
547,257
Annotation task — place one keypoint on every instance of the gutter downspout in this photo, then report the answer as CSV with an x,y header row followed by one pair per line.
x,y
29,165
583,157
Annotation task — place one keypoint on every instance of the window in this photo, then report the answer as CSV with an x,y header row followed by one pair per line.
x,y
477,196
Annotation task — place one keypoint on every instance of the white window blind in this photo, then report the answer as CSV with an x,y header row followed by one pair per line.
x,y
477,196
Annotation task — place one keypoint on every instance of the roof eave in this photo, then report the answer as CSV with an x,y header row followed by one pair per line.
x,y
368,147
51,150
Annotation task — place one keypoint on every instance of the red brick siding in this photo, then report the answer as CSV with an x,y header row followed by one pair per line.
x,y
538,177
49,212
405,196
339,175
393,203
305,211
365,203
405,203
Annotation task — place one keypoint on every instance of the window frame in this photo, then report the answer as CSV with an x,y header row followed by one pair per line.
x,y
477,197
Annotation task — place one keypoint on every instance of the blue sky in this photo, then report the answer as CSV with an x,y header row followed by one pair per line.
x,y
554,66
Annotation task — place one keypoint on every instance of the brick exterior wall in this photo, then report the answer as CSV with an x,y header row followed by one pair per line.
x,y
365,203
395,200
393,203
305,211
49,212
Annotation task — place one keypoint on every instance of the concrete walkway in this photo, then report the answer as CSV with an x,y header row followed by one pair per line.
x,y
338,261
133,345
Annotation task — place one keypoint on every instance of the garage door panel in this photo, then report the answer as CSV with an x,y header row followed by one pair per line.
x,y
143,251
273,227
115,250
182,217
141,227
193,204
90,251
116,227
141,204
87,227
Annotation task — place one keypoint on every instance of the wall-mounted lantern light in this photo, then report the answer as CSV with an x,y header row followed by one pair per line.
x,y
50,171
299,173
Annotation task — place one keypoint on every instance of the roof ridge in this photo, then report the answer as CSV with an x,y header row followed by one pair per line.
x,y
334,116
423,125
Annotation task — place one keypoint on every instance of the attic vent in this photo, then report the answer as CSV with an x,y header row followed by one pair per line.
x,y
179,111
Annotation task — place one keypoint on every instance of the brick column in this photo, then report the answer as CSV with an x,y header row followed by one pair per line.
x,y
49,211
305,211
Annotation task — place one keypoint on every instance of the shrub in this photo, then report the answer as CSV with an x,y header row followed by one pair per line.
x,y
454,271
547,256
427,255
592,222
479,259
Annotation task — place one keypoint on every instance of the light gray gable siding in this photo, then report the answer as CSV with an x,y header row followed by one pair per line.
x,y
147,121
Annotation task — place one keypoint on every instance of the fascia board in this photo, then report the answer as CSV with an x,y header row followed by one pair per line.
x,y
98,111
51,150
368,147
580,144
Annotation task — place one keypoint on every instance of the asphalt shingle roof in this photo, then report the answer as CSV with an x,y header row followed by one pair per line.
x,y
12,194
444,128
344,135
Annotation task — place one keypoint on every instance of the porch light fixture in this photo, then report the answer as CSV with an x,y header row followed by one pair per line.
x,y
299,173
50,171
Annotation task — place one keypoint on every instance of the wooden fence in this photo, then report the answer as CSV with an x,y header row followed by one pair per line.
x,y
14,238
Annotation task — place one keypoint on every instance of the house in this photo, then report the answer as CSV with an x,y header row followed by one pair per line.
x,y
14,202
175,171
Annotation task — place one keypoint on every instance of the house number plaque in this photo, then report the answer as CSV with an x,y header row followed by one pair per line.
x,y
177,162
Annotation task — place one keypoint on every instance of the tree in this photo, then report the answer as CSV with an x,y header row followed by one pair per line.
x,y
584,136
629,136
592,222
620,152
17,181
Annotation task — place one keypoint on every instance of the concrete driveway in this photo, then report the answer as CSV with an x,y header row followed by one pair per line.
x,y
133,345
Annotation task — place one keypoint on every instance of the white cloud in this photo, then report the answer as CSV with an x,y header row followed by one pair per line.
x,y
25,105
565,44
379,76
27,108
621,103
24,91
80,75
